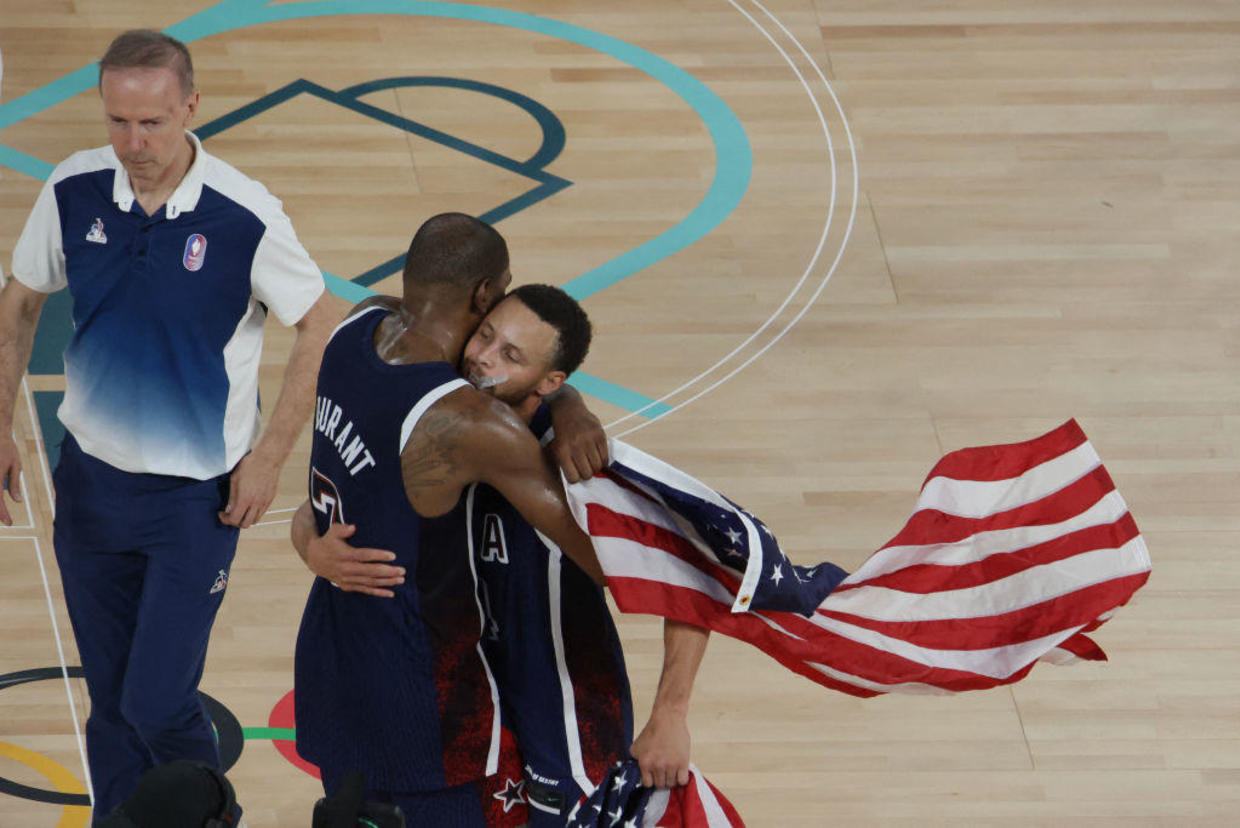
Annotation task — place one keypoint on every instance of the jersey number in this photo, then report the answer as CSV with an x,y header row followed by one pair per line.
x,y
324,497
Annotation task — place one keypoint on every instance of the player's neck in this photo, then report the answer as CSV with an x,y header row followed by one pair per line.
x,y
423,329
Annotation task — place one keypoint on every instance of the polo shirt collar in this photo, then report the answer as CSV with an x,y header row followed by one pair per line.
x,y
183,199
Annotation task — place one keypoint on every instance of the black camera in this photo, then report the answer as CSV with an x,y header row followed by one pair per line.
x,y
345,808
368,815
180,793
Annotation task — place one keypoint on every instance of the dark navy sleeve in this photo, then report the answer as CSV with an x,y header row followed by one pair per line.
x,y
541,423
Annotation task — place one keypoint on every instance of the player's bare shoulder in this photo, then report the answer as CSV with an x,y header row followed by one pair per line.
x,y
452,444
388,303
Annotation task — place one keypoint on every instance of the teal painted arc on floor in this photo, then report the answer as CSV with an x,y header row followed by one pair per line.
x,y
597,387
733,155
25,164
37,100
346,290
617,395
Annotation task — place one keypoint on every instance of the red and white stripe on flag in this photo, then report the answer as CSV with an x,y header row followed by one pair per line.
x,y
1013,554
698,804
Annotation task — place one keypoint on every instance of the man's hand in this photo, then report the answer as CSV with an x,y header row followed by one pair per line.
x,y
353,569
580,444
20,307
251,489
11,474
662,750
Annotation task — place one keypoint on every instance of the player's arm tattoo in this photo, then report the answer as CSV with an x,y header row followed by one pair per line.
x,y
430,457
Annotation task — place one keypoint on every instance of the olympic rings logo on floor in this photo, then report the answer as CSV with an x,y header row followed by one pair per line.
x,y
69,790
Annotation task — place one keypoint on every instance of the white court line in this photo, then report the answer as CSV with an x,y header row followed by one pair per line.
x,y
275,522
830,272
271,522
60,651
38,441
21,481
47,589
822,239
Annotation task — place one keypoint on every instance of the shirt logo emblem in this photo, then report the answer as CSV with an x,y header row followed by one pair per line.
x,y
221,582
96,233
195,252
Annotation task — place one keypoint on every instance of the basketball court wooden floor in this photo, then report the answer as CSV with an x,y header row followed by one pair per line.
x,y
916,226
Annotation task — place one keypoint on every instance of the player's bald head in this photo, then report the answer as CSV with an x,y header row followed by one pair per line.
x,y
456,250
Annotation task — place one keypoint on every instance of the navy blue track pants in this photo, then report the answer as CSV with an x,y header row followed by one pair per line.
x,y
144,562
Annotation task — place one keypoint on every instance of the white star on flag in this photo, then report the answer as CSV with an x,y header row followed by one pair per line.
x,y
733,535
777,575
511,795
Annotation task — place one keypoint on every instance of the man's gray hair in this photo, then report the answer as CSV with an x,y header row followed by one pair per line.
x,y
149,49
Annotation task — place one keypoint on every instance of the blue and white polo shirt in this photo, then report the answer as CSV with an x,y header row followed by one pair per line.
x,y
161,373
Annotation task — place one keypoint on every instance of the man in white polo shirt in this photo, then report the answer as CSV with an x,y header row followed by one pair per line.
x,y
173,259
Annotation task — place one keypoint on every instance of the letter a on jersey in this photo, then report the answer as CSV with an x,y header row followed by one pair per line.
x,y
494,548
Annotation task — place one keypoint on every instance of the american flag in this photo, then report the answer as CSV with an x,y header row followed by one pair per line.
x,y
620,801
1013,554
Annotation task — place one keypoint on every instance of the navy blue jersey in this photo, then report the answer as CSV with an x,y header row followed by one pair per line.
x,y
551,641
395,687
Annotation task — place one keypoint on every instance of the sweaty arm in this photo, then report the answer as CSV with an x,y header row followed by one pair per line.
x,y
580,444
20,307
254,481
662,748
468,437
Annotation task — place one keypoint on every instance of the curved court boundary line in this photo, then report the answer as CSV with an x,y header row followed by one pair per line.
x,y
817,252
68,793
733,156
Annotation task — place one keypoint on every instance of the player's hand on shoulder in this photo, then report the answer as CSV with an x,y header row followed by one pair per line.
x,y
579,446
10,473
353,569
662,750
